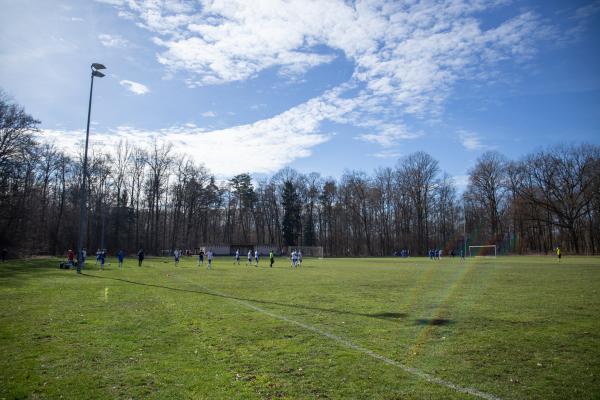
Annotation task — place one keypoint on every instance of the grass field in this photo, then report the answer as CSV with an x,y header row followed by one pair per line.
x,y
379,328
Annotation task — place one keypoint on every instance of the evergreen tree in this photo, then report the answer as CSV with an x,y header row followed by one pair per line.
x,y
291,213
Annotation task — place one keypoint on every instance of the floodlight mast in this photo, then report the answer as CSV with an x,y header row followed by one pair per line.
x,y
464,231
82,198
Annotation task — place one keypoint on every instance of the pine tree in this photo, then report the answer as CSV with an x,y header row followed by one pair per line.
x,y
291,213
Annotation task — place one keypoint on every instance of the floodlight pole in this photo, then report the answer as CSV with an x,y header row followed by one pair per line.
x,y
82,198
464,231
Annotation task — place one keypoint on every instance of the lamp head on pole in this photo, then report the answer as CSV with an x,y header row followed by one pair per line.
x,y
95,70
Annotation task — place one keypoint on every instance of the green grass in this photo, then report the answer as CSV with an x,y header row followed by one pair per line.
x,y
513,327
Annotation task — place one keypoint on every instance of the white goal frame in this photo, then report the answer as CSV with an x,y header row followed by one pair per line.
x,y
308,251
485,245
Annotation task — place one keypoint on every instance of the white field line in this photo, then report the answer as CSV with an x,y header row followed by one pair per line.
x,y
414,371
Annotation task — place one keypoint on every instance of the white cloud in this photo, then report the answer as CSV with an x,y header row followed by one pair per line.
x,y
407,56
472,141
73,19
412,52
209,114
113,2
115,41
135,87
387,154
389,135
261,147
588,10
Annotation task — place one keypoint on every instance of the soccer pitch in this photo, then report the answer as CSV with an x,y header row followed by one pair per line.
x,y
372,328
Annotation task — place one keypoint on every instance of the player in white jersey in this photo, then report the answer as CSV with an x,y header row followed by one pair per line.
x,y
237,257
299,255
256,255
249,262
177,254
209,256
294,259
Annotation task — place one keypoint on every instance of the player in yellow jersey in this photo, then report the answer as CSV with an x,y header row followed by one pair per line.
x,y
558,255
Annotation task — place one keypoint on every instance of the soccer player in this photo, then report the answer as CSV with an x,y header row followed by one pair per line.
x,y
140,255
271,258
201,257
98,256
249,262
558,255
209,256
294,259
120,256
237,257
256,257
299,255
102,257
177,254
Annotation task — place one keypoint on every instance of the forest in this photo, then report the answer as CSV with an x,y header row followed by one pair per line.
x,y
147,196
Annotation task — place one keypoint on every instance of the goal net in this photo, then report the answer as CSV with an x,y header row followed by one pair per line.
x,y
307,251
483,251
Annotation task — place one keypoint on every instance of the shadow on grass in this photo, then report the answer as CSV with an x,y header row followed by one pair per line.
x,y
433,321
28,268
390,316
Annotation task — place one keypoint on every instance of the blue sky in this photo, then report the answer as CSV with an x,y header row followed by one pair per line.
x,y
315,85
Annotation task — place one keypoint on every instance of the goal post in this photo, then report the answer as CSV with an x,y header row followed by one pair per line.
x,y
488,250
307,251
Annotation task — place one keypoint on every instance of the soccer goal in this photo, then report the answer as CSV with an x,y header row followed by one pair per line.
x,y
309,251
488,250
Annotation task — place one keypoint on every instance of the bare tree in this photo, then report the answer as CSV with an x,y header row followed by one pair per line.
x,y
487,190
159,161
418,173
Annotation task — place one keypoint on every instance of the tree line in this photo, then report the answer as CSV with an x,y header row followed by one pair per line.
x,y
152,198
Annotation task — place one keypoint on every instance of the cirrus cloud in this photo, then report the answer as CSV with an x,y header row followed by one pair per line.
x,y
407,56
112,40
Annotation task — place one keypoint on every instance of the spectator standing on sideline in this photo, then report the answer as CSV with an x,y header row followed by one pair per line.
x,y
71,258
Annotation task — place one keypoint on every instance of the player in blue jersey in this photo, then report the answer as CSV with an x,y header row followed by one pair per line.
x,y
120,257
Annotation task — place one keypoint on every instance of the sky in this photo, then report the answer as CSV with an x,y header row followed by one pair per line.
x,y
325,86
